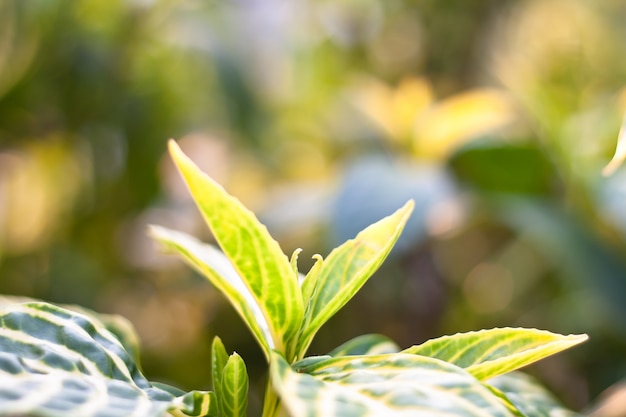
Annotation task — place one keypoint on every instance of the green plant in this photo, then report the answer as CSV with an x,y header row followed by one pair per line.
x,y
57,361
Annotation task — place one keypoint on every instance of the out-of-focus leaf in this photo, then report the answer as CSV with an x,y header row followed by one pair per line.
x,y
368,344
529,396
585,262
391,385
345,271
372,187
489,353
452,122
394,110
505,168
253,253
56,362
620,152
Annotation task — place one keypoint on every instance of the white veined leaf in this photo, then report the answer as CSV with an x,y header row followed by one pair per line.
x,y
489,353
390,385
56,362
333,281
257,258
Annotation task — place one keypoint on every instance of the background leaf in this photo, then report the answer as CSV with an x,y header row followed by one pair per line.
x,y
346,270
368,344
489,353
56,362
254,254
382,385
529,396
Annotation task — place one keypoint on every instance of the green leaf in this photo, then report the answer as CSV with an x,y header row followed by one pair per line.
x,y
219,358
489,353
369,344
529,396
234,387
391,385
253,253
121,327
57,362
213,264
340,276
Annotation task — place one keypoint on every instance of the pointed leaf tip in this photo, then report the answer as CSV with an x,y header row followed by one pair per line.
x,y
489,353
255,256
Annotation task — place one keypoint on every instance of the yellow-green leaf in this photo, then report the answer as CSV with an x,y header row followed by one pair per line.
x,y
391,385
255,255
489,353
213,264
336,279
55,362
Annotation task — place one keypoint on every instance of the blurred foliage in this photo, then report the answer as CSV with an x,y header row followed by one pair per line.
x,y
497,117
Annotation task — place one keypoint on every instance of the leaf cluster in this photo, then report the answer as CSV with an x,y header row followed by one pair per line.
x,y
55,361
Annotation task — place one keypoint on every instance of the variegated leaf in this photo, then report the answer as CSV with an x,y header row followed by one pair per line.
x,y
57,362
336,279
213,264
121,327
391,385
368,344
532,399
255,255
489,353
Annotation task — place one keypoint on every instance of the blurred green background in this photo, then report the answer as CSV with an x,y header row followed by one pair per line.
x,y
323,116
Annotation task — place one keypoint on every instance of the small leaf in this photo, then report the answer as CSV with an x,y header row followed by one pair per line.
x,y
391,385
254,254
529,396
346,270
56,362
489,353
219,358
294,260
369,344
234,387
310,280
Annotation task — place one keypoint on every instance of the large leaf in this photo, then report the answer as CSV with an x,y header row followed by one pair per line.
x,y
489,353
254,254
56,362
121,327
529,396
234,387
391,385
213,264
335,280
